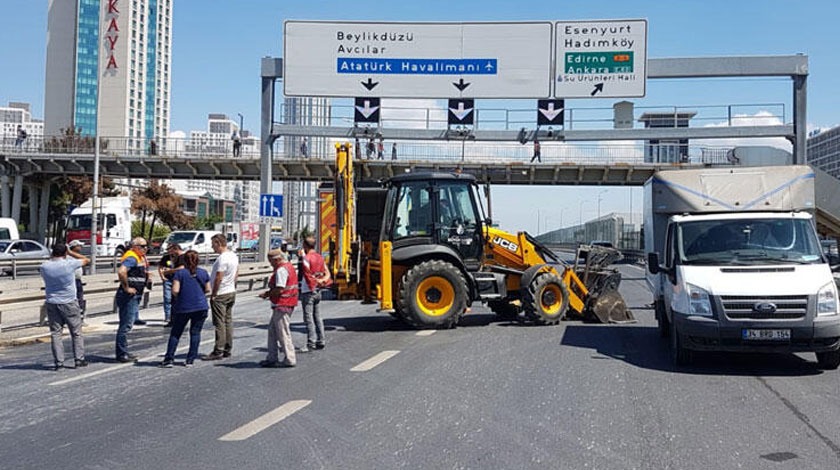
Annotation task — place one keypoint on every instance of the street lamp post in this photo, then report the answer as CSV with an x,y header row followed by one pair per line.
x,y
599,202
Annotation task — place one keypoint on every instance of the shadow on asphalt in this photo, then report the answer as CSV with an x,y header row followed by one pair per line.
x,y
383,323
641,346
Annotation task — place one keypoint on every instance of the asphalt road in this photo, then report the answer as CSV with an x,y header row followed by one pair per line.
x,y
486,395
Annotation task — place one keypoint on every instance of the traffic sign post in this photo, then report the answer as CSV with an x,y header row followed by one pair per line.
x,y
271,205
600,59
417,60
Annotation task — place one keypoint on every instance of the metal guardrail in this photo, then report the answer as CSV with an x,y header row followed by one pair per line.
x,y
14,265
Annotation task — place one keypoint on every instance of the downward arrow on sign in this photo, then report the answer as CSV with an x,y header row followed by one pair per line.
x,y
367,109
551,113
460,112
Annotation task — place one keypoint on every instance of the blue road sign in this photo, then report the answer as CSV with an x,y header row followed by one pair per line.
x,y
271,205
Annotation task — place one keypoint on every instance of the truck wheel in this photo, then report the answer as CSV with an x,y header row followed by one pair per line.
x,y
828,360
504,310
680,356
432,293
662,319
546,299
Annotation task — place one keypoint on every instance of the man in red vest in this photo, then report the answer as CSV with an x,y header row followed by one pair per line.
x,y
283,294
314,276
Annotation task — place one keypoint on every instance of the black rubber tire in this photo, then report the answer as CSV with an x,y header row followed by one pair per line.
x,y
662,319
542,289
504,310
828,360
438,276
680,356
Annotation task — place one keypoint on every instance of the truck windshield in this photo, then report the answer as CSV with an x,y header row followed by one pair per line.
x,y
180,237
748,242
82,221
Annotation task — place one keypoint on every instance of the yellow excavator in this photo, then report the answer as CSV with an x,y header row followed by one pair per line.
x,y
422,247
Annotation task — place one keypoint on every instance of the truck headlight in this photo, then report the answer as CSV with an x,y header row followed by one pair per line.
x,y
827,300
698,300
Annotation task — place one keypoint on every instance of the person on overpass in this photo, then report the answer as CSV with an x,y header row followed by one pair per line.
x,y
537,151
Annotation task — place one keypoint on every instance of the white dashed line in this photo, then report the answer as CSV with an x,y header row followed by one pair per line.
x,y
76,378
374,361
265,421
426,332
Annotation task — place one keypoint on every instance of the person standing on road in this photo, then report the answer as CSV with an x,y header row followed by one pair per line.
x,y
190,287
222,297
133,277
169,263
58,274
313,277
283,294
75,246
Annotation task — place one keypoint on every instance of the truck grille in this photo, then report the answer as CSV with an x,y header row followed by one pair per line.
x,y
788,307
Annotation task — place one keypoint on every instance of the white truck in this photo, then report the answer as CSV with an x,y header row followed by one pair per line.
x,y
735,264
113,225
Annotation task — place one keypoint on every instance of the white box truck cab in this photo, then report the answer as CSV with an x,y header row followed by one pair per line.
x,y
113,225
9,229
198,240
735,264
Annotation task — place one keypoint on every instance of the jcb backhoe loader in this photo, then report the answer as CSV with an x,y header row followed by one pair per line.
x,y
426,252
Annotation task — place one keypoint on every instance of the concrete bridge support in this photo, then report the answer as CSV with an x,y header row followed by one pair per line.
x,y
43,211
5,197
33,193
17,196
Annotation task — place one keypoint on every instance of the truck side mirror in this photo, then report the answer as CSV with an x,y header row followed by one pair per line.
x,y
653,263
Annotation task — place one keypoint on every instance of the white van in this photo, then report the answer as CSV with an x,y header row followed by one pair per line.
x,y
8,229
198,240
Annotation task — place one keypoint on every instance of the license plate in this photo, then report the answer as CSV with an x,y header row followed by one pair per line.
x,y
765,335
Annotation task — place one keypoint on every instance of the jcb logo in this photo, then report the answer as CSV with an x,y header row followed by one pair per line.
x,y
507,244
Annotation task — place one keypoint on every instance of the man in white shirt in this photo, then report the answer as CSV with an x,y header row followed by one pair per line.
x,y
222,297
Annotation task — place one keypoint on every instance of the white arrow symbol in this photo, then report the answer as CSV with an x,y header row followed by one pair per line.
x,y
551,113
460,112
272,206
367,110
264,201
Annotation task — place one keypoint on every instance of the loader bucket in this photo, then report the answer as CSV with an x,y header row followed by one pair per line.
x,y
609,307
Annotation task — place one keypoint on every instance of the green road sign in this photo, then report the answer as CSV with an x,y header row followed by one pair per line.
x,y
598,62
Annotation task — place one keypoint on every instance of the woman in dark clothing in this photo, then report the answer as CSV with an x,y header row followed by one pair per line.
x,y
190,287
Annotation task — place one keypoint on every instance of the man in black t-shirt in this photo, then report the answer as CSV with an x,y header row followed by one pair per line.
x,y
169,263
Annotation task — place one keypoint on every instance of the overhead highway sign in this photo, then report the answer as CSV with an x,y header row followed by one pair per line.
x,y
600,59
417,60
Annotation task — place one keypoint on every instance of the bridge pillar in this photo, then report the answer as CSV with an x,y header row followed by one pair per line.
x,y
5,197
32,190
43,212
17,195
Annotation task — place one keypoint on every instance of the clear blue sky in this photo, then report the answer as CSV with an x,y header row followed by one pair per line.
x,y
218,44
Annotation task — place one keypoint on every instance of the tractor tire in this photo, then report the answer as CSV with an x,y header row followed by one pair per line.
x,y
680,356
828,360
546,300
506,311
432,294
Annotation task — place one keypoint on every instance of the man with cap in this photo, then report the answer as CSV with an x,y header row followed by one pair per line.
x,y
58,274
169,263
75,246
283,294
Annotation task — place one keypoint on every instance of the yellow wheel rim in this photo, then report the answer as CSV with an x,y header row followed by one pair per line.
x,y
551,299
435,296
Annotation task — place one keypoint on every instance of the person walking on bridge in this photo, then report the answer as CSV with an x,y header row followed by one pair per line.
x,y
62,306
537,152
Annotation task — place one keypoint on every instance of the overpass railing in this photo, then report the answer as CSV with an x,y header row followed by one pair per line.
x,y
552,152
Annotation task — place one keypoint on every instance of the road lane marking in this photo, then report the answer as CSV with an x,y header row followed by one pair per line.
x,y
76,378
266,421
374,361
426,332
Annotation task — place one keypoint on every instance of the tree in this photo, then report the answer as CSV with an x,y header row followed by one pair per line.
x,y
207,223
161,203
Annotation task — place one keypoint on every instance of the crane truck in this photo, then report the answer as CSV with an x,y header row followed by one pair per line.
x,y
734,263
422,247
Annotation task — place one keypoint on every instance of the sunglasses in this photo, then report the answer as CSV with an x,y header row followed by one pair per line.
x,y
141,246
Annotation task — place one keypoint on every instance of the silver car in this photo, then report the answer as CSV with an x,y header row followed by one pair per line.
x,y
22,249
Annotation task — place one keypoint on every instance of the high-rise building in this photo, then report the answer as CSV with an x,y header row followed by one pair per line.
x,y
124,48
19,114
216,142
824,151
